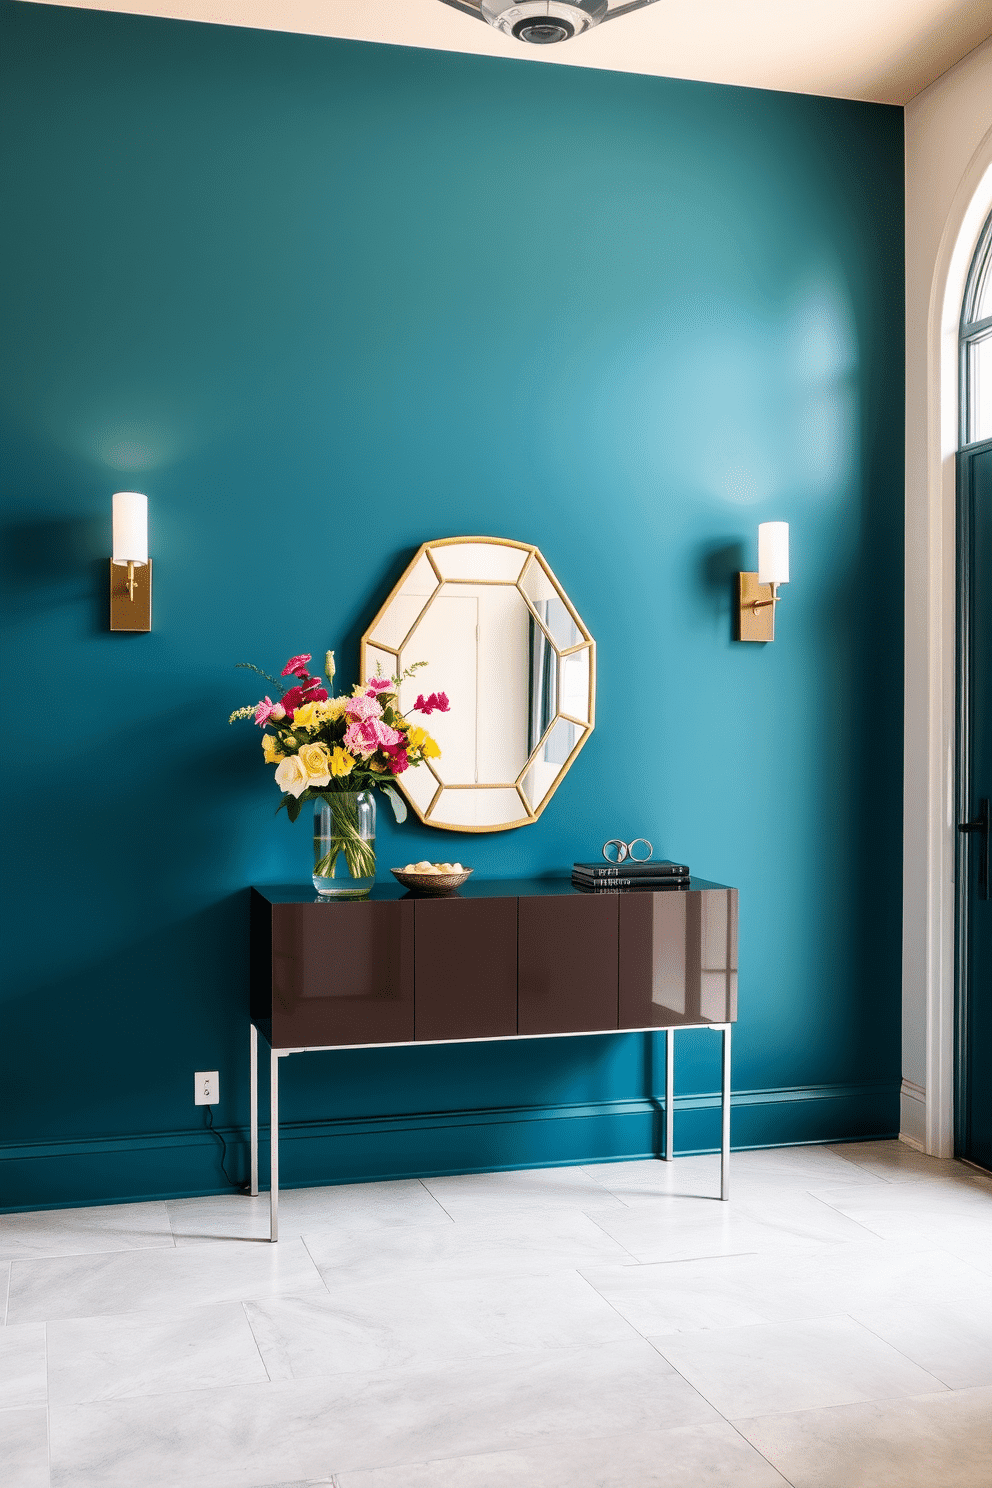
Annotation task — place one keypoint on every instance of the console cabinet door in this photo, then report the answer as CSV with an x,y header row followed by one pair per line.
x,y
568,964
342,973
678,958
466,968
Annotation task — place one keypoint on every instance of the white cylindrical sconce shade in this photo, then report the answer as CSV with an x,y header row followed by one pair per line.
x,y
130,527
773,553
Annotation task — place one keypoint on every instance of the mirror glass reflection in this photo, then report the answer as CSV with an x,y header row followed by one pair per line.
x,y
500,637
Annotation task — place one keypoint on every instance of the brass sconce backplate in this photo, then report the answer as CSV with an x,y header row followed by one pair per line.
x,y
752,624
127,613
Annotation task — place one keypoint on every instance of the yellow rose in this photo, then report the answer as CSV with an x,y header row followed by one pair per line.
x,y
316,763
310,716
342,762
270,748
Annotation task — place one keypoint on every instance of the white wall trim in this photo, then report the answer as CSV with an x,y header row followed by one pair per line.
x,y
969,208
913,1115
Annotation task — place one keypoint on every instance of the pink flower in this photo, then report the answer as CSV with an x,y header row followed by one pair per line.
x,y
264,711
379,684
365,736
398,761
362,707
358,739
438,700
296,666
310,692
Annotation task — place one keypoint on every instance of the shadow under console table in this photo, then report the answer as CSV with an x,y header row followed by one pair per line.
x,y
514,959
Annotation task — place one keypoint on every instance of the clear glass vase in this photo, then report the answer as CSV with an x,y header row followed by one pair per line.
x,y
344,844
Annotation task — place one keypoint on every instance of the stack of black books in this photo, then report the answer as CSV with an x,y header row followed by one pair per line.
x,y
597,878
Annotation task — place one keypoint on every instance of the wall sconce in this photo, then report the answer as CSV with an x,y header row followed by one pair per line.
x,y
757,593
130,593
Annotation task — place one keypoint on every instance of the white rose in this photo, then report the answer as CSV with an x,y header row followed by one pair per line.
x,y
315,762
291,776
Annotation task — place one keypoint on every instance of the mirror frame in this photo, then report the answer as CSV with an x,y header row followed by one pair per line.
x,y
529,814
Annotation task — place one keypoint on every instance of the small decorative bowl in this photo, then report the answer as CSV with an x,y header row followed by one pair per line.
x,y
431,883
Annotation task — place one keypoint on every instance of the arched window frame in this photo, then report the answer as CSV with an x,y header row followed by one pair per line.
x,y
976,330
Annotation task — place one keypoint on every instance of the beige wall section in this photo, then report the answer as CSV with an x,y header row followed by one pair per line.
x,y
948,195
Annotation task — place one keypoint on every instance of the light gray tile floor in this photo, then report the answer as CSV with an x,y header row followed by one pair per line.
x,y
357,1206
612,1326
65,1232
23,1377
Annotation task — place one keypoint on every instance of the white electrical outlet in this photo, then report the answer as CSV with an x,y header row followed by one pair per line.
x,y
206,1087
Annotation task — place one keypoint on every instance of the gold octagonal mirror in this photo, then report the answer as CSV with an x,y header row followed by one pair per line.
x,y
500,636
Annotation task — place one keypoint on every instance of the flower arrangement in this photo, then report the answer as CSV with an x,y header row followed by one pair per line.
x,y
326,748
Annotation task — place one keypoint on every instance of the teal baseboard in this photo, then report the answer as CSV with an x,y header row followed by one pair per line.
x,y
113,1170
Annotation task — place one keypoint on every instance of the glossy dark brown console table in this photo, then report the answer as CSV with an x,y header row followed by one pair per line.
x,y
532,958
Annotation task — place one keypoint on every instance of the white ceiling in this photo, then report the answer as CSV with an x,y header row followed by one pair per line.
x,y
884,51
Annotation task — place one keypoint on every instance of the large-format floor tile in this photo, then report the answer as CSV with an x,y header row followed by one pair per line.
x,y
934,1441
23,1370
349,1205
730,1291
673,1227
158,1280
937,1215
792,1366
952,1342
975,1251
897,1162
485,1405
303,1483
934,1230
401,1321
712,1456
953,1196
676,1296
227,1438
62,1232
24,1448
476,1195
752,1174
519,1243
139,1353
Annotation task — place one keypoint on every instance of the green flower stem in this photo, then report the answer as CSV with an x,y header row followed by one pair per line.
x,y
359,854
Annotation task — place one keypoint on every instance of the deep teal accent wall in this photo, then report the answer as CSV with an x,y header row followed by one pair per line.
x,y
322,301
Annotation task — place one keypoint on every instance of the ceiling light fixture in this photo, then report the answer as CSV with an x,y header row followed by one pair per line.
x,y
544,22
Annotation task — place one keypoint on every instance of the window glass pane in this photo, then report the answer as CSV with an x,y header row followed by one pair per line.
x,y
980,389
983,289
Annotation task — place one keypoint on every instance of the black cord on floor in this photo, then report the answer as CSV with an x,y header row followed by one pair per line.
x,y
241,1187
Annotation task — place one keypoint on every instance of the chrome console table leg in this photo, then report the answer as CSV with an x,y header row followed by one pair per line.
x,y
670,1095
254,1109
725,1115
274,1149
